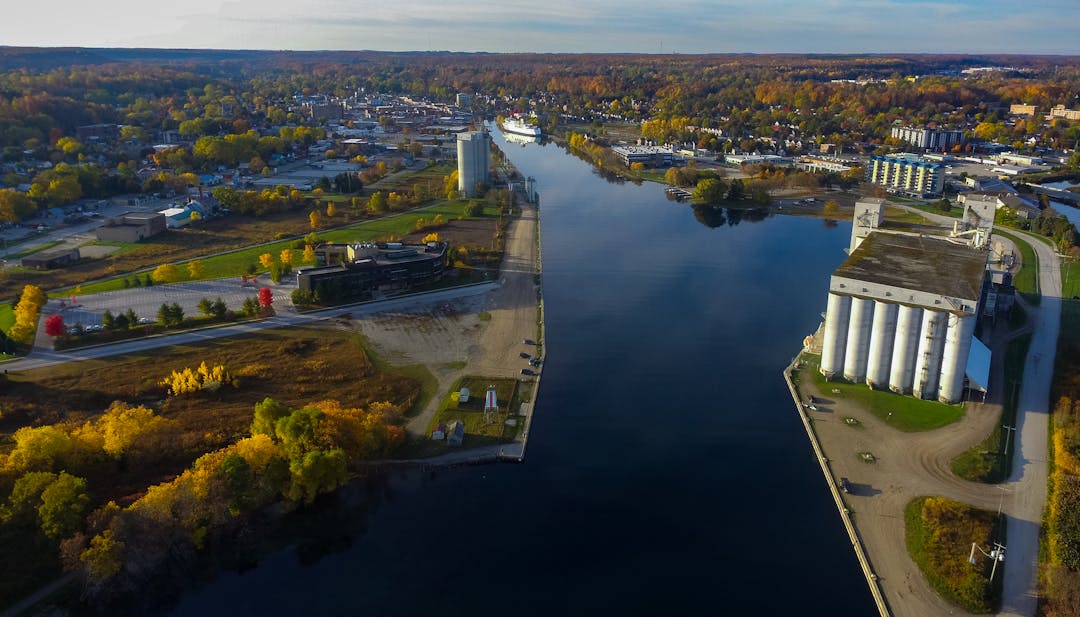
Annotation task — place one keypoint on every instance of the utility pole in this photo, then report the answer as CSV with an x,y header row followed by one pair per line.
x,y
1010,430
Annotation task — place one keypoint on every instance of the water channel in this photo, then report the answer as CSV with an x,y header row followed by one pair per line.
x,y
667,472
1070,212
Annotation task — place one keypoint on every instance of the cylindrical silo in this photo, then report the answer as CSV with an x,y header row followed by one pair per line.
x,y
928,358
858,339
954,358
881,344
836,327
902,370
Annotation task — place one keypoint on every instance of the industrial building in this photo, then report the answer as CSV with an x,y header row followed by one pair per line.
x,y
902,309
354,271
474,161
927,138
649,156
131,227
906,173
46,260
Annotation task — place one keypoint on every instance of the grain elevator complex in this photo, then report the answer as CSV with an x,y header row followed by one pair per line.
x,y
902,307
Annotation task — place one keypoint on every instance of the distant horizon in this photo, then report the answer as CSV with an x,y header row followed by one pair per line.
x,y
545,53
690,27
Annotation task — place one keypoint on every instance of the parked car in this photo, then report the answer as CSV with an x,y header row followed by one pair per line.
x,y
528,372
525,355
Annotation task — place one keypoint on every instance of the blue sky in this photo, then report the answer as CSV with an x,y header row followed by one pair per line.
x,y
649,26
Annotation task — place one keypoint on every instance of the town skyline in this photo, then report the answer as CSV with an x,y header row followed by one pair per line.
x,y
598,26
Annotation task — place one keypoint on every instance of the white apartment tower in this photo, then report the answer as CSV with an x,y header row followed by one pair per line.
x,y
474,159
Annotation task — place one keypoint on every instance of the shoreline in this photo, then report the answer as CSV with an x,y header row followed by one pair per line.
x,y
845,513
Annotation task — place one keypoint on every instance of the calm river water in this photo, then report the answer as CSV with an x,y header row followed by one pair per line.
x,y
667,472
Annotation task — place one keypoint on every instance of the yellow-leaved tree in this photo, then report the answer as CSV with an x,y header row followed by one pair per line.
x,y
195,269
27,311
205,377
165,273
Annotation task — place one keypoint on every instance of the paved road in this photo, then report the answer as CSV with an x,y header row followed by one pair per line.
x,y
42,356
1024,498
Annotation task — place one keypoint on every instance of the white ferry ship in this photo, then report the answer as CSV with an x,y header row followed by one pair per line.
x,y
513,125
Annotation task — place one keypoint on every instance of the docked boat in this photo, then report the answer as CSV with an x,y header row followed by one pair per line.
x,y
513,125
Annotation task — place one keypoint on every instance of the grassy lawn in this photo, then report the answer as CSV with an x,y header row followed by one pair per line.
x,y
236,262
905,413
1026,280
957,210
939,534
1070,278
478,433
900,215
402,182
7,316
651,175
987,461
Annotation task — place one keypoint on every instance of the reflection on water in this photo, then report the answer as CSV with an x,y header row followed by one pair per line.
x,y
667,469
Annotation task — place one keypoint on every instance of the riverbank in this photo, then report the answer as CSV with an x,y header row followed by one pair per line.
x,y
481,335
903,466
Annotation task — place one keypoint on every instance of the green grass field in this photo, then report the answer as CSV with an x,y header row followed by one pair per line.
x,y
905,413
957,211
406,181
987,461
1026,280
7,317
1070,278
236,263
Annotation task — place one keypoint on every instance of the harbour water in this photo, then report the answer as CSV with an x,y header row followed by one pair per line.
x,y
667,472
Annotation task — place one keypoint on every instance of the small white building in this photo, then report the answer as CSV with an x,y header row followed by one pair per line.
x,y
177,217
455,433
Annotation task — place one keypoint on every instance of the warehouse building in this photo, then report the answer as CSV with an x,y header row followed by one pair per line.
x,y
901,314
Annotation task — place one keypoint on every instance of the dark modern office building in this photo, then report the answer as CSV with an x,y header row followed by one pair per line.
x,y
354,271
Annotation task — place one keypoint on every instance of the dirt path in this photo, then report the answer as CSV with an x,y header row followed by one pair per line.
x,y
909,465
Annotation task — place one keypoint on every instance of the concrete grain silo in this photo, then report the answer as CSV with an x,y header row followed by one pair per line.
x,y
901,314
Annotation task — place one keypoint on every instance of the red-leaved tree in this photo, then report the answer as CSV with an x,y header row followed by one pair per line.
x,y
266,297
54,325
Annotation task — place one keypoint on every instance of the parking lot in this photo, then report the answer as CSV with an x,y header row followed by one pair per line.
x,y
145,301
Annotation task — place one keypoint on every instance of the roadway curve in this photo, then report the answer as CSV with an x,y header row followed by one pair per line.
x,y
919,464
1026,497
